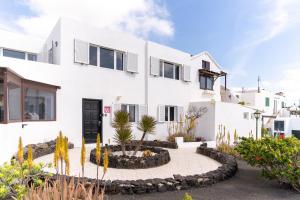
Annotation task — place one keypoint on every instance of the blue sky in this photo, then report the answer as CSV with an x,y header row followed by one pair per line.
x,y
248,38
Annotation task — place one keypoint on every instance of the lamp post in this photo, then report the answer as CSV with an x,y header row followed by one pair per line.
x,y
257,116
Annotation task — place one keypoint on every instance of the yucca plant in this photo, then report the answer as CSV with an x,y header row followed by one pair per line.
x,y
122,126
147,126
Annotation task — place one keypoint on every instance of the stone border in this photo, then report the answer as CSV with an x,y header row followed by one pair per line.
x,y
157,143
41,149
161,157
177,182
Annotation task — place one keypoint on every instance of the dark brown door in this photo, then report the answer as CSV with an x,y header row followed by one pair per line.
x,y
91,119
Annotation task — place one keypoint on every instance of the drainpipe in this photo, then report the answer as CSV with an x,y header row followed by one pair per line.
x,y
146,78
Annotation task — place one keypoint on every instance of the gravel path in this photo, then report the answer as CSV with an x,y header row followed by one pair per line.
x,y
183,161
246,185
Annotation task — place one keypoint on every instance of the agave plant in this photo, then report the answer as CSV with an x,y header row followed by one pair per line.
x,y
147,126
122,126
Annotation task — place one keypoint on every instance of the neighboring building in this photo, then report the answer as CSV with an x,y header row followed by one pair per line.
x,y
75,79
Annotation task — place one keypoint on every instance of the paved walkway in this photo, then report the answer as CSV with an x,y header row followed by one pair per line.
x,y
183,161
246,185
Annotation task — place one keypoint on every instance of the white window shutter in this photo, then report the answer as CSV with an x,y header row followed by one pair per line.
x,y
179,113
132,62
81,52
154,66
142,109
161,113
186,73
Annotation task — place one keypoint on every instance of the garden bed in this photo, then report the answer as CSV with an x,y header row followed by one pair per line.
x,y
160,157
41,149
157,143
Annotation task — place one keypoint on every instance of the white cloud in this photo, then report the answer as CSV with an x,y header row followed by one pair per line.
x,y
140,17
273,18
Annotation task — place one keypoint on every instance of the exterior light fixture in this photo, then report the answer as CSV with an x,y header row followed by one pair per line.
x,y
257,115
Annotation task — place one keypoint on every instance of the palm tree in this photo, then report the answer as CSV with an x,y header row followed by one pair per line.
x,y
122,126
147,126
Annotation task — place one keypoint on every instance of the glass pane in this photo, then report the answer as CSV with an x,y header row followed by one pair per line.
x,y
166,113
131,113
14,102
39,105
202,82
120,60
172,113
160,68
32,57
1,100
124,108
177,72
168,70
93,56
210,83
50,56
13,54
106,58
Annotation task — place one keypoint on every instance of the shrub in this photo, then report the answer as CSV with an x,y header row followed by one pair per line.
x,y
186,137
187,197
278,158
72,190
15,176
147,153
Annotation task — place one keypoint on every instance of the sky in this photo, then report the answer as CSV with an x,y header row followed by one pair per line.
x,y
247,38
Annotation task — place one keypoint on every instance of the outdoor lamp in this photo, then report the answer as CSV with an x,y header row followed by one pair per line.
x,y
257,116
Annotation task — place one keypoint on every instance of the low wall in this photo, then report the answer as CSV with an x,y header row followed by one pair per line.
x,y
157,143
41,149
161,157
177,182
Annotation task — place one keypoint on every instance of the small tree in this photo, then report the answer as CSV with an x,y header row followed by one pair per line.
x,y
191,117
122,126
147,126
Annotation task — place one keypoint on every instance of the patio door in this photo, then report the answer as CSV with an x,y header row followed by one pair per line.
x,y
91,119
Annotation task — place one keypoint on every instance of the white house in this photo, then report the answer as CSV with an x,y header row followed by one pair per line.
x,y
75,79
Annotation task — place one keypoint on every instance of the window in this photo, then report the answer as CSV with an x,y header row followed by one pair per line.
x,y
130,109
168,70
39,105
267,102
169,113
1,99
120,60
14,102
205,65
14,54
279,125
93,55
32,57
246,115
282,105
206,83
177,72
50,56
106,58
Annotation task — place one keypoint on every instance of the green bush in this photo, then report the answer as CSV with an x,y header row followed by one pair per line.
x,y
187,197
15,177
278,158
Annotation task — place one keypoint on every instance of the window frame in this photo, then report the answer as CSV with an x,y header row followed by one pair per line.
x,y
205,87
114,57
116,60
10,76
267,102
168,113
174,65
206,65
279,122
128,111
97,55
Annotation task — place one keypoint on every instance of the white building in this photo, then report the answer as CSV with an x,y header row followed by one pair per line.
x,y
75,79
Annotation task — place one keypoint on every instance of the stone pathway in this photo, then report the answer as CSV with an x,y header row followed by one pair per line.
x,y
183,161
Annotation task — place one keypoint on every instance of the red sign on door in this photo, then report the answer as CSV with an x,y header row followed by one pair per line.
x,y
107,109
